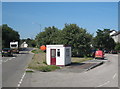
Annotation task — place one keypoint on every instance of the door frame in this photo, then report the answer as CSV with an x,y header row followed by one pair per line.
x,y
52,60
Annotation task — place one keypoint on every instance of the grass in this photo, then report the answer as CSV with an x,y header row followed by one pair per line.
x,y
48,68
38,62
44,68
36,51
80,60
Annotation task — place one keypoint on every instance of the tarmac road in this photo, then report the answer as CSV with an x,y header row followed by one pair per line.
x,y
14,67
105,75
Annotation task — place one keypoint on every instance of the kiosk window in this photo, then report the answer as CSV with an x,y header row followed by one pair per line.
x,y
53,53
67,52
58,52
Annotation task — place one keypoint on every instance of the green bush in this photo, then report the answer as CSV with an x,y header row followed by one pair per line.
x,y
48,68
117,47
45,62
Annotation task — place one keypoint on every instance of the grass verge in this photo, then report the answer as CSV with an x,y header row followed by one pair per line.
x,y
80,60
36,51
46,68
39,62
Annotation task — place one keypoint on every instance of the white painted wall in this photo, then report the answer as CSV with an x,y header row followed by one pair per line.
x,y
48,55
62,59
115,38
113,32
67,58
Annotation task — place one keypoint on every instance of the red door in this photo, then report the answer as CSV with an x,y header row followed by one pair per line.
x,y
53,56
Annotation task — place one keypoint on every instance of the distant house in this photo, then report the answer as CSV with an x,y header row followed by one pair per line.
x,y
24,45
115,35
112,32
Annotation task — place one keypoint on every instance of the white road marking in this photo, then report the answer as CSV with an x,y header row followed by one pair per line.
x,y
85,72
114,55
114,75
13,57
8,59
103,84
21,79
0,61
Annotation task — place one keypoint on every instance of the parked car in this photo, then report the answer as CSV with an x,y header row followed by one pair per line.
x,y
113,52
99,54
118,51
106,51
7,52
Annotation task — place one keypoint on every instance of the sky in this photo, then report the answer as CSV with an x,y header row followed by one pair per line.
x,y
29,18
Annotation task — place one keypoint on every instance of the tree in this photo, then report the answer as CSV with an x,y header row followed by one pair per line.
x,y
103,40
49,36
8,35
78,38
72,35
117,46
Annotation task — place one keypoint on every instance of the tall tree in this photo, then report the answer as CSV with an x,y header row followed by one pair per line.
x,y
103,40
8,35
117,46
78,38
50,35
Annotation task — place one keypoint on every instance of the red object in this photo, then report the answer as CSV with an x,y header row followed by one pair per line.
x,y
99,54
53,56
43,47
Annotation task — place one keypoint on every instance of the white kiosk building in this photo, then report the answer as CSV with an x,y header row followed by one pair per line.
x,y
59,55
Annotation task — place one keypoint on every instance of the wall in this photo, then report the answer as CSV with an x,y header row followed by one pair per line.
x,y
68,55
113,32
48,56
59,60
115,38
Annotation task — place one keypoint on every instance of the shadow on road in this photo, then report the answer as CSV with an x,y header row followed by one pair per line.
x,y
23,53
75,64
102,59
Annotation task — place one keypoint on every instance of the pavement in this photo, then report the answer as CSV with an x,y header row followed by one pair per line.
x,y
105,75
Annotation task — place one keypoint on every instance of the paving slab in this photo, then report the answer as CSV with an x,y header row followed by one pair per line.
x,y
80,67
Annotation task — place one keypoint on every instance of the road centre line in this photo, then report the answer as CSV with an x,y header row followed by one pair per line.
x,y
114,55
107,81
21,79
114,75
8,59
103,84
